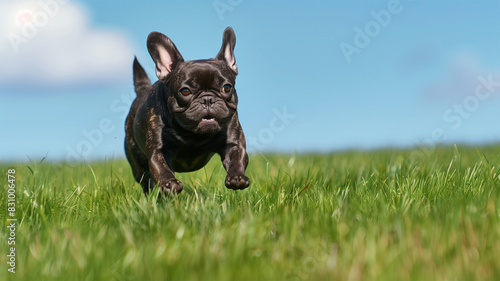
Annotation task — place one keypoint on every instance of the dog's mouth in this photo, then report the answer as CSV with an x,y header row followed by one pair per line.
x,y
208,125
208,120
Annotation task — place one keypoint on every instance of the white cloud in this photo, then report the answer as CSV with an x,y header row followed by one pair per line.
x,y
49,44
459,79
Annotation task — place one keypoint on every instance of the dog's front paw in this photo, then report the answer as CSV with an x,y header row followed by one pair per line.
x,y
172,186
237,181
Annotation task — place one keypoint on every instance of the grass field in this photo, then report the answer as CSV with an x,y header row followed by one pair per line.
x,y
380,215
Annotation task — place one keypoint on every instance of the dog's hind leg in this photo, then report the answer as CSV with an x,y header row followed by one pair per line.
x,y
139,168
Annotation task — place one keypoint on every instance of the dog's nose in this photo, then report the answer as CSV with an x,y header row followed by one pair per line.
x,y
207,101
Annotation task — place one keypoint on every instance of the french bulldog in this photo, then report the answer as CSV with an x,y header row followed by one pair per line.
x,y
178,123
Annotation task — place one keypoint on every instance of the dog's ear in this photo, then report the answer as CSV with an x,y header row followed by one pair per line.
x,y
226,52
164,53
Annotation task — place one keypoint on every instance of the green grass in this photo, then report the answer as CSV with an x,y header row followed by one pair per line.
x,y
381,215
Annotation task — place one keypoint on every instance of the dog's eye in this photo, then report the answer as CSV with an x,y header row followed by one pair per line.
x,y
227,88
185,91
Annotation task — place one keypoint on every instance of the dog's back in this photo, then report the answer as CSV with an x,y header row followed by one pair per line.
x,y
137,159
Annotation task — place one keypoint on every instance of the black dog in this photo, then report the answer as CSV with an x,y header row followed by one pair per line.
x,y
188,115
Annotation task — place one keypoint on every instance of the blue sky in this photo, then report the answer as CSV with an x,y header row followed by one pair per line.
x,y
313,76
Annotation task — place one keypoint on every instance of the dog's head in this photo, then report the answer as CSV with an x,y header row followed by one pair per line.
x,y
201,93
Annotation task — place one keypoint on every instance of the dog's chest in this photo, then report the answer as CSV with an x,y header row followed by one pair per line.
x,y
187,160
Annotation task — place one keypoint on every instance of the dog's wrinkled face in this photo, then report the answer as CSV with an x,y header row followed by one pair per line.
x,y
201,94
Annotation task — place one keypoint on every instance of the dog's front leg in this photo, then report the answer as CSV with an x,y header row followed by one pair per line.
x,y
235,157
235,162
162,174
